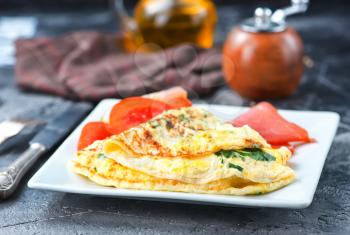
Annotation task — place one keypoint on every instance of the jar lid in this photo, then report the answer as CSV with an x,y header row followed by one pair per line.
x,y
261,22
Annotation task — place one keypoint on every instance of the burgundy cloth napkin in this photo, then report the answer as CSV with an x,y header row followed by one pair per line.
x,y
91,66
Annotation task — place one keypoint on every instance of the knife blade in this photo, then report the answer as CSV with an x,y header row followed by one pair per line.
x,y
14,132
45,140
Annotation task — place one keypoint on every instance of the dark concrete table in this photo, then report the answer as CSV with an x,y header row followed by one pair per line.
x,y
325,86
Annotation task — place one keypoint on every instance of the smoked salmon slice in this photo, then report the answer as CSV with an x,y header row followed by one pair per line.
x,y
265,119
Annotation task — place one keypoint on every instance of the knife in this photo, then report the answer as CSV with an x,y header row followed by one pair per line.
x,y
45,140
16,131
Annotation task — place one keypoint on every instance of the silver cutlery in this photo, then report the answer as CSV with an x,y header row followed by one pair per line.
x,y
42,142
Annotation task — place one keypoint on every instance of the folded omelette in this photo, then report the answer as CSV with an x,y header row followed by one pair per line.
x,y
187,150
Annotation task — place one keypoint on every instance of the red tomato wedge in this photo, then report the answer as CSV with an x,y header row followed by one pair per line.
x,y
265,119
165,95
175,97
132,111
179,102
92,131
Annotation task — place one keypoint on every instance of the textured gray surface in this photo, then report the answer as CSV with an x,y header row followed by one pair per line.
x,y
325,87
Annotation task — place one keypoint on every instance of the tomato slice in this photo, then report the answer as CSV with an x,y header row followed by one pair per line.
x,y
168,94
175,97
265,119
132,111
92,131
179,102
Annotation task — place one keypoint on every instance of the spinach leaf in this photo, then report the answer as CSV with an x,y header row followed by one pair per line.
x,y
230,165
259,155
254,153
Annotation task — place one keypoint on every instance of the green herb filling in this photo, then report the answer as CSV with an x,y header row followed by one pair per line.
x,y
230,165
101,155
254,153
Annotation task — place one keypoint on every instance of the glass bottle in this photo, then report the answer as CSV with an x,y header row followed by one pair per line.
x,y
159,24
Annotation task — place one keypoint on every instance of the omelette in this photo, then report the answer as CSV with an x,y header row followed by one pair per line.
x,y
186,150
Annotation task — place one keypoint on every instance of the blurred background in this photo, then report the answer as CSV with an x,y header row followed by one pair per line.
x,y
322,30
55,17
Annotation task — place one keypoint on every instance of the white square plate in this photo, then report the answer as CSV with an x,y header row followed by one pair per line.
x,y
307,162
